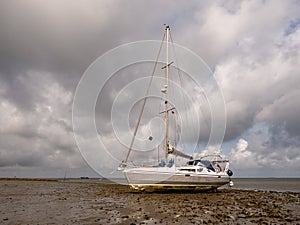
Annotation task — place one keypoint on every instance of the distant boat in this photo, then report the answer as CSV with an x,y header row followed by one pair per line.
x,y
206,173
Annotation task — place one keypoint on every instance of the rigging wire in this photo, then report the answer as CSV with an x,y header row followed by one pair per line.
x,y
144,102
184,100
181,84
160,126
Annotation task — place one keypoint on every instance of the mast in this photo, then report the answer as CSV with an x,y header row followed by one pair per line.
x,y
166,101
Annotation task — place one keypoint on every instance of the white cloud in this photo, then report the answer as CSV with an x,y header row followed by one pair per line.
x,y
260,82
241,157
218,29
264,154
42,135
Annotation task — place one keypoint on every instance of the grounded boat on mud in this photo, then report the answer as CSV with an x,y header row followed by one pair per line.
x,y
206,173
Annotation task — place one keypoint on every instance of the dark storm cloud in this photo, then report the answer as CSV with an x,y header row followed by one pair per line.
x,y
44,49
66,36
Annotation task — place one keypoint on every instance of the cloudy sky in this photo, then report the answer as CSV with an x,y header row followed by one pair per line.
x,y
253,48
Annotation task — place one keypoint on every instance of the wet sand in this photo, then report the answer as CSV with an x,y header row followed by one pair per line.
x,y
91,202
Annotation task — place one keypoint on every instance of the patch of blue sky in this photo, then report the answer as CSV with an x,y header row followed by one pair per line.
x,y
228,145
292,26
258,131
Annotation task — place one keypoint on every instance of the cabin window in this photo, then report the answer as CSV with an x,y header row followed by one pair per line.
x,y
189,170
200,170
190,163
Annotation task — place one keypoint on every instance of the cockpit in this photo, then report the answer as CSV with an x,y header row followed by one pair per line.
x,y
201,163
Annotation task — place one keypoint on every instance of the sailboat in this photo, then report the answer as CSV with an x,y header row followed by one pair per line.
x,y
203,173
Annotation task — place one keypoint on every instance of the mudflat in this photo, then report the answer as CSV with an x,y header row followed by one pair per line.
x,y
92,202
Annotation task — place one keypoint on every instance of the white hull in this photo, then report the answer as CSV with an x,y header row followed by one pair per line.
x,y
153,178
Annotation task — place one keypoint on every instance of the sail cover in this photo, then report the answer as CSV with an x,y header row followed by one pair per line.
x,y
172,150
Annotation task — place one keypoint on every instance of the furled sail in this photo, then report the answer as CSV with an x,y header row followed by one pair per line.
x,y
172,150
